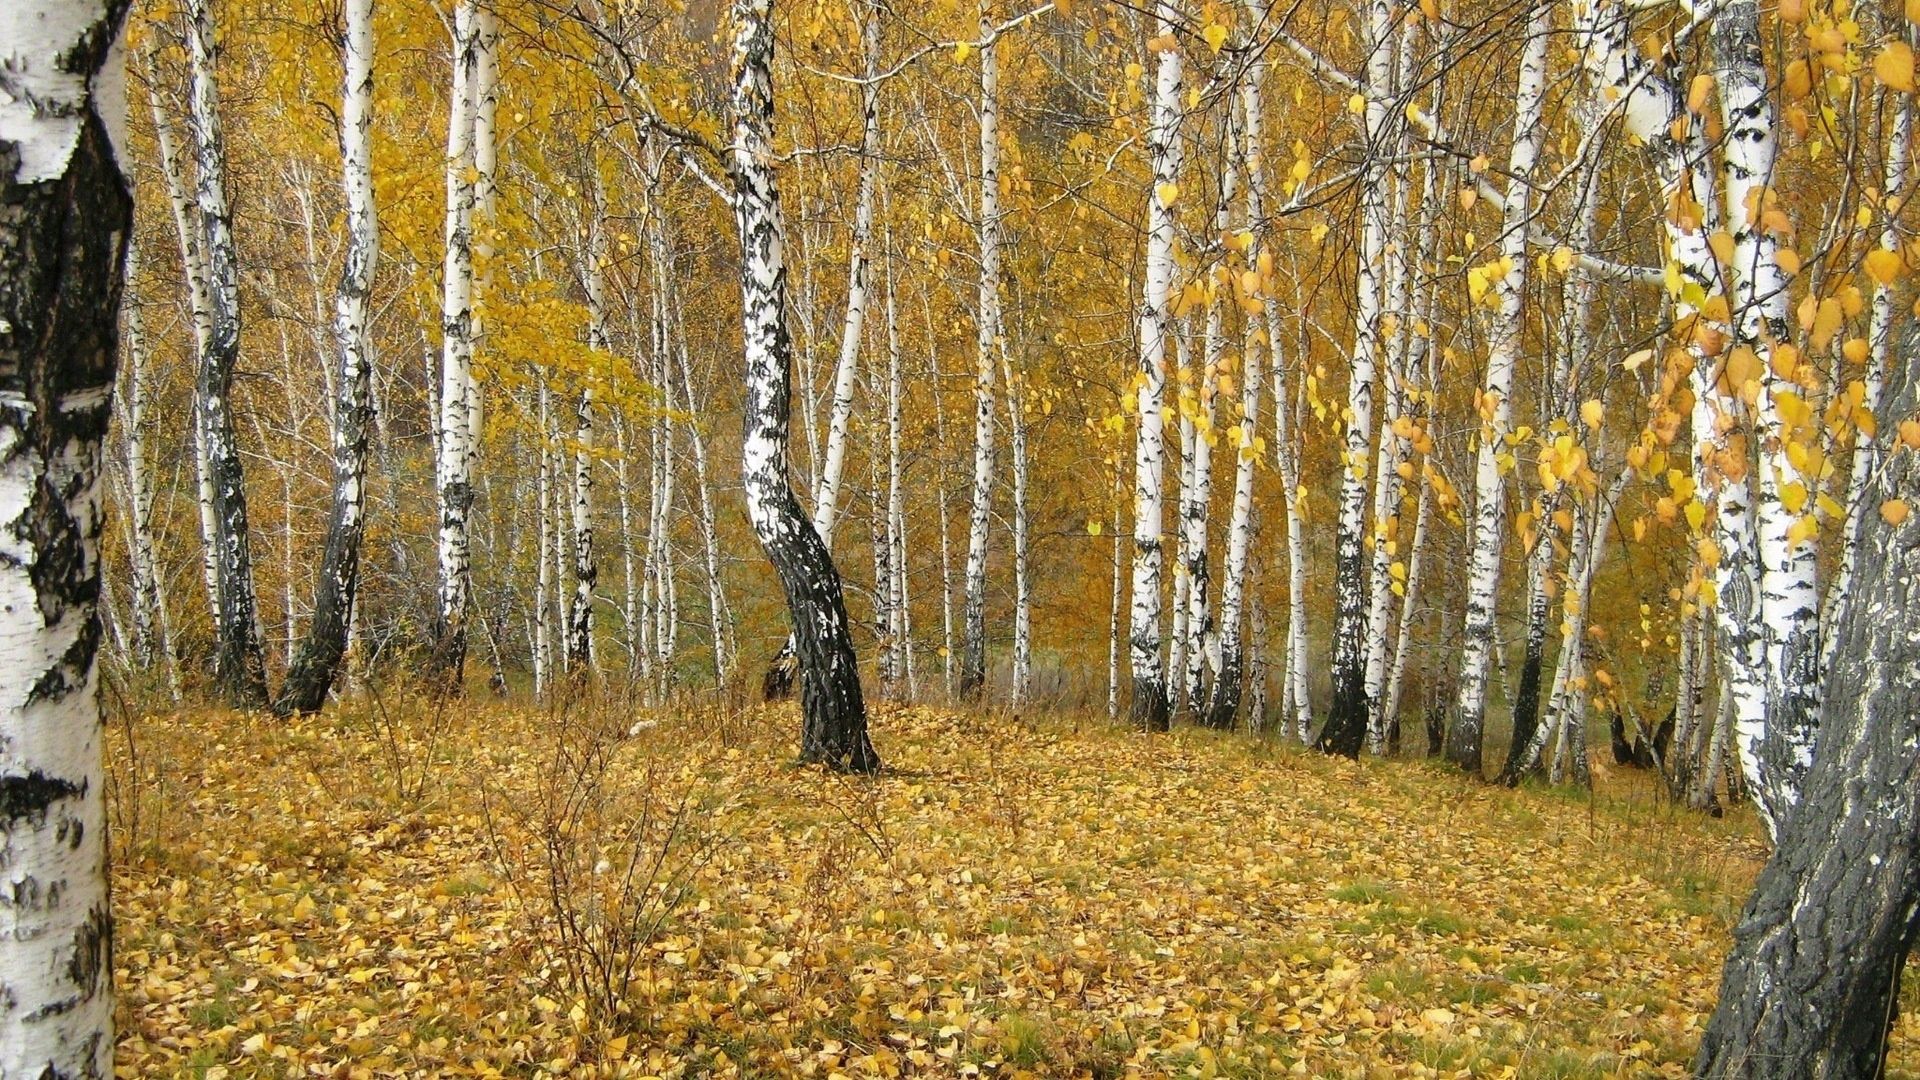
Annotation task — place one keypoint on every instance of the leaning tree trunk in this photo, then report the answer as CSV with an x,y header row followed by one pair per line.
x,y
318,661
834,730
239,662
1150,704
65,214
1812,982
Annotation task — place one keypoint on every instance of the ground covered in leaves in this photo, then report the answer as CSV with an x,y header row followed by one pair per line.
x,y
391,890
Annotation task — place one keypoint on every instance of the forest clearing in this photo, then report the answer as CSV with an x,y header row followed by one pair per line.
x,y
1060,898
987,537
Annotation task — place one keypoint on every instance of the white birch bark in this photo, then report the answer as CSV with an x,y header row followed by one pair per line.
x,y
901,627
543,575
580,654
150,646
1346,725
200,306
1196,497
239,661
1789,604
1652,110
62,237
453,467
834,731
1508,286
1296,699
1150,704
972,673
826,493
1022,582
313,670
1223,704
1869,448
1392,447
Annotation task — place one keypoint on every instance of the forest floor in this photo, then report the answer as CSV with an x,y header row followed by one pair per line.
x,y
392,890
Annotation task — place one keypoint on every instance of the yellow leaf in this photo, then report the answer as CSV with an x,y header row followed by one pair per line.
x,y
1593,414
962,51
1093,527
1216,36
1894,66
1804,529
1166,193
1895,511
1883,265
1697,93
1356,104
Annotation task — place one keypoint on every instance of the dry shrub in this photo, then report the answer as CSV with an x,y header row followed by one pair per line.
x,y
600,843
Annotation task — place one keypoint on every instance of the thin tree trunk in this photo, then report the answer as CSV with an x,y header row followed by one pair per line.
x,y
1507,283
1230,675
972,676
65,214
457,394
1022,581
317,663
239,661
1346,726
152,644
835,715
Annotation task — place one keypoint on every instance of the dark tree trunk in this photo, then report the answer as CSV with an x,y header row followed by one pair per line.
x,y
1526,699
834,730
1811,985
1151,710
65,215
1223,704
1346,728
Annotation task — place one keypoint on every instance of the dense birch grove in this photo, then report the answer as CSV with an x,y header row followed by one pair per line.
x,y
1529,383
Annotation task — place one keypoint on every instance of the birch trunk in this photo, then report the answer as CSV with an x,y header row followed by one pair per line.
x,y
1294,654
1229,678
1196,499
835,725
453,466
65,215
1811,985
1150,705
151,646
1504,339
1868,447
1022,583
1788,610
586,571
317,664
709,534
972,675
1346,726
239,661
193,264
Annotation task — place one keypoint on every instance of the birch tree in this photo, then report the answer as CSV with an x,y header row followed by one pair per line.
x,y
1810,986
1505,283
834,730
1346,725
454,425
1150,709
971,676
317,664
239,661
65,216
